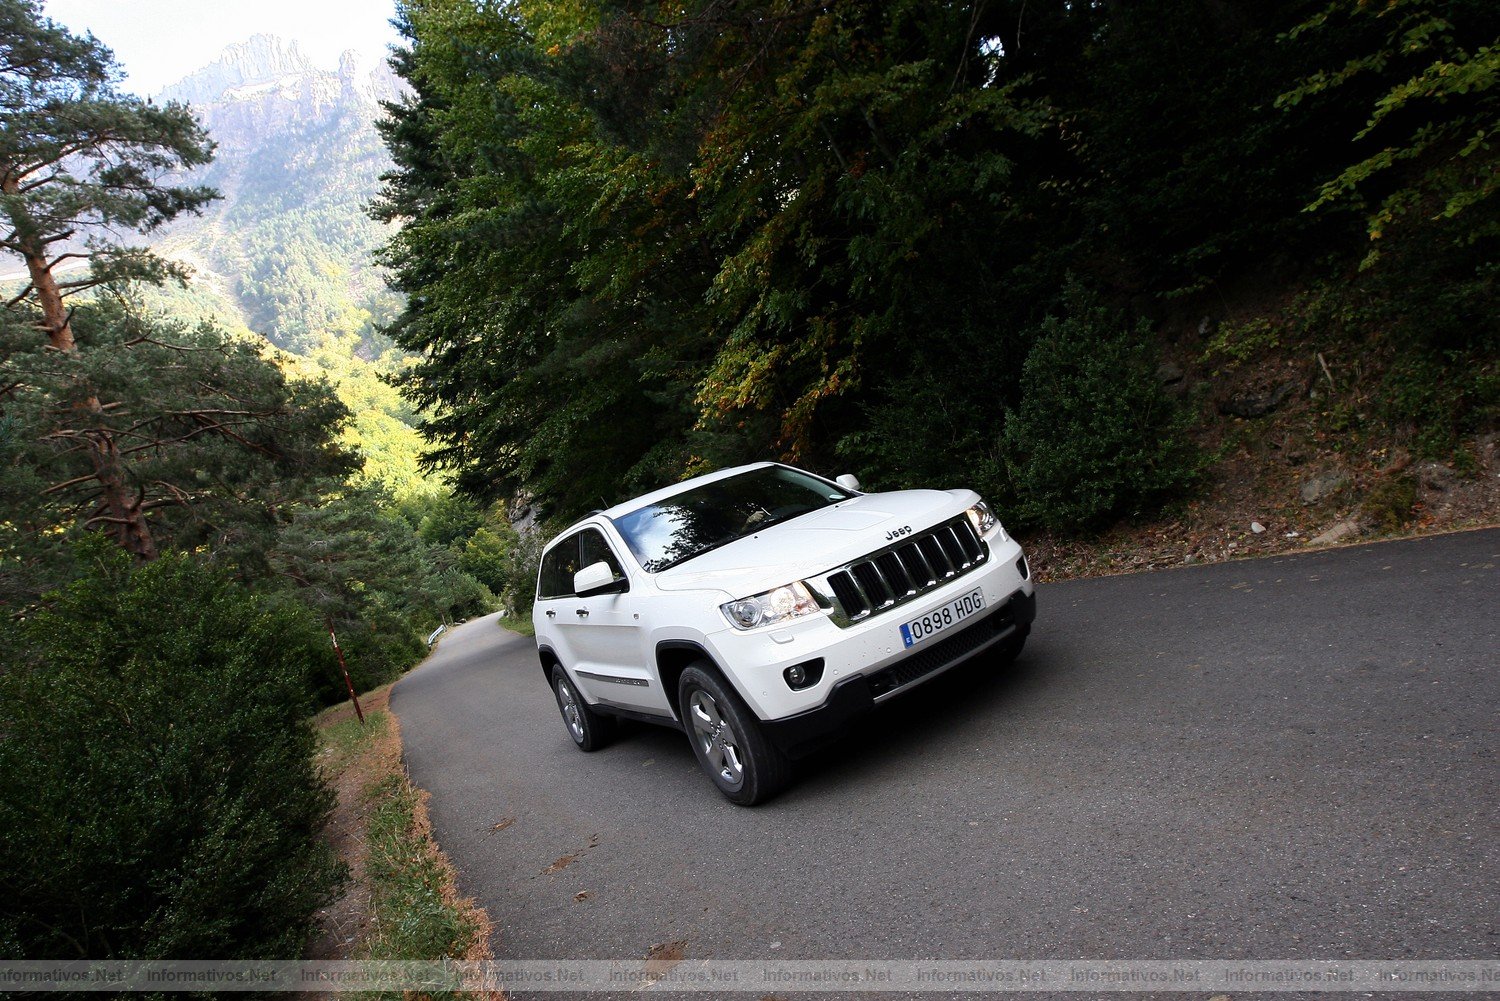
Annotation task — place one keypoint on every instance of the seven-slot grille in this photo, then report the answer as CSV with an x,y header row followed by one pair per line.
x,y
892,576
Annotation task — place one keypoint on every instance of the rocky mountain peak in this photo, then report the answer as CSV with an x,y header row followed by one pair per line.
x,y
261,59
262,91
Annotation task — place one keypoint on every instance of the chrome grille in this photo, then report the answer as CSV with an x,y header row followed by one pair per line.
x,y
890,577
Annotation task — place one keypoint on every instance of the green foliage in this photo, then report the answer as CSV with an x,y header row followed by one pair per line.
x,y
1443,396
415,916
1429,144
1236,343
228,455
642,244
1433,367
157,791
361,567
1095,437
1391,503
486,556
622,264
214,444
915,427
79,159
449,520
1186,170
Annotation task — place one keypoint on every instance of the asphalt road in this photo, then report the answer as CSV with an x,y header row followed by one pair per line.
x,y
1285,758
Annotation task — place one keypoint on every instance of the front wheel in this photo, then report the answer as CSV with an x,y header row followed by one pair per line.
x,y
727,739
590,730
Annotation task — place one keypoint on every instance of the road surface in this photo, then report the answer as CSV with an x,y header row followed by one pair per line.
x,y
1292,757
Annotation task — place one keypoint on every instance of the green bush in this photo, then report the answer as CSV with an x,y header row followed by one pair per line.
x,y
157,791
1391,504
1094,437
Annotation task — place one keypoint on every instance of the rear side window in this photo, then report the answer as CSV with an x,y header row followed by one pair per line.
x,y
558,568
596,550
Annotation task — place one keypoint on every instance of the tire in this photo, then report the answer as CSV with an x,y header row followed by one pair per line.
x,y
589,729
728,740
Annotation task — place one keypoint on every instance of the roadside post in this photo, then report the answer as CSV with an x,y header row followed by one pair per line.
x,y
349,684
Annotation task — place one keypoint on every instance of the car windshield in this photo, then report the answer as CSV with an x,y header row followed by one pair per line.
x,y
689,524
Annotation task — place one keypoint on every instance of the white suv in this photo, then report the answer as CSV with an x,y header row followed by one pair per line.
x,y
760,609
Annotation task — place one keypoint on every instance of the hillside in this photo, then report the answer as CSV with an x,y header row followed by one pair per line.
x,y
287,252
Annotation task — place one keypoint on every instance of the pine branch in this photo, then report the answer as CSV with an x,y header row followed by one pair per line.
x,y
23,293
59,487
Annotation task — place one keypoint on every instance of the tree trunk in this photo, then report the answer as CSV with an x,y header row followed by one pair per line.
x,y
49,296
120,510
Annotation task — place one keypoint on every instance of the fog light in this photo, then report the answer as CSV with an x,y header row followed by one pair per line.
x,y
804,675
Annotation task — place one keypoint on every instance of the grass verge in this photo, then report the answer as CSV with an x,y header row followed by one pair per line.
x,y
402,900
517,624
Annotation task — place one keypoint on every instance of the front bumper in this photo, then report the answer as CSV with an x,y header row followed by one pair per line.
x,y
754,660
854,697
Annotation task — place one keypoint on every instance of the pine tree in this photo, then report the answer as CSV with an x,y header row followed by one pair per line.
x,y
79,159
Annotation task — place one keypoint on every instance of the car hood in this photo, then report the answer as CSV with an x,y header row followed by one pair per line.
x,y
810,544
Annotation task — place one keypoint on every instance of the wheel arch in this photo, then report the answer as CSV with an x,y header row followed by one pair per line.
x,y
675,656
549,661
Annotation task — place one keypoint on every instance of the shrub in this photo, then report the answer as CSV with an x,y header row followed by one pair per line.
x,y
157,791
1391,504
1094,436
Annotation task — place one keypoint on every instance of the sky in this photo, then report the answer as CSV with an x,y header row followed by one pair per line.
x,y
159,42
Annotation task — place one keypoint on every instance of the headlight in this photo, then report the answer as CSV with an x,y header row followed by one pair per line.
x,y
982,518
777,605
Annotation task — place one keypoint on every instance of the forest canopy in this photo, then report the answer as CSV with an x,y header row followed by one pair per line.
x,y
641,240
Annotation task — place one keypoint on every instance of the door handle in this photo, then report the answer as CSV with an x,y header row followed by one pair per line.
x,y
583,613
551,614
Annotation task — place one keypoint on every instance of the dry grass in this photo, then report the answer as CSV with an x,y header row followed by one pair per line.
x,y
401,901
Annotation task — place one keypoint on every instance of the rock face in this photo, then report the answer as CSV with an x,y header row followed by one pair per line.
x,y
266,87
1323,486
1250,405
262,59
1436,476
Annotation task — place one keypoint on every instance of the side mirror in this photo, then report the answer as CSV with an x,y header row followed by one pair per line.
x,y
849,482
598,578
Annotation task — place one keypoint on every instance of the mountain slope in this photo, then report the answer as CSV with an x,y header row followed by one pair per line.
x,y
287,252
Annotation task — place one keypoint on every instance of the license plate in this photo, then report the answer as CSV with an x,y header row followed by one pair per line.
x,y
946,617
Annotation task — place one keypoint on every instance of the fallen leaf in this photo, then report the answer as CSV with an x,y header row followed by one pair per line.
x,y
664,956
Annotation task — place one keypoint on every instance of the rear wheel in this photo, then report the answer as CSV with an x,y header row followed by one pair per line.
x,y
590,730
730,745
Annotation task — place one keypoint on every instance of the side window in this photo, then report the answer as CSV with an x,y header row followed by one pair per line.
x,y
558,568
595,550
